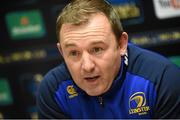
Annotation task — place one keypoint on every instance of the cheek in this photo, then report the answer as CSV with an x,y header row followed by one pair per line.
x,y
111,59
110,64
72,67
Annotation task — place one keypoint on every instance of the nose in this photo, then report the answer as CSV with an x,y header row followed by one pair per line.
x,y
87,63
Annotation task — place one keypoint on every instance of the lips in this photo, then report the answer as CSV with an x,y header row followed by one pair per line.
x,y
89,78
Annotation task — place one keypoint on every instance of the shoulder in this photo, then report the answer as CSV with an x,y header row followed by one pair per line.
x,y
55,77
162,74
148,64
46,103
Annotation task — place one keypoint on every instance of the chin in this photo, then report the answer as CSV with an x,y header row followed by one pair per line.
x,y
94,93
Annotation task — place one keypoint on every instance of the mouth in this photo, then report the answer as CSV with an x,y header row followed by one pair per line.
x,y
92,78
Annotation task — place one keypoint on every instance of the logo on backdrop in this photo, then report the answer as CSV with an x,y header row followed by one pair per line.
x,y
167,8
25,24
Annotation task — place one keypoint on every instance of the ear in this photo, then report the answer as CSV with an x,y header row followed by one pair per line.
x,y
123,42
59,48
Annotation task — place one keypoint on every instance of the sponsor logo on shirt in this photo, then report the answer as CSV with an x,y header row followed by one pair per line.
x,y
137,104
72,92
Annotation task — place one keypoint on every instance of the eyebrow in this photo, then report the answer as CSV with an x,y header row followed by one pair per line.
x,y
97,42
69,45
93,43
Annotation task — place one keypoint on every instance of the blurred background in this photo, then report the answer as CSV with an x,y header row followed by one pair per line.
x,y
28,43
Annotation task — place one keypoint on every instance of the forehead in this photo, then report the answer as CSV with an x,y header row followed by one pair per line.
x,y
95,22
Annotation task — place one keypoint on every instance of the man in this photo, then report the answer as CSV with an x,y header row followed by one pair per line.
x,y
103,76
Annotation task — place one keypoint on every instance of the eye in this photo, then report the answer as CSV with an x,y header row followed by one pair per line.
x,y
73,53
97,50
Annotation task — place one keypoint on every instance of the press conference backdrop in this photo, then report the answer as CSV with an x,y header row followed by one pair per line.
x,y
28,43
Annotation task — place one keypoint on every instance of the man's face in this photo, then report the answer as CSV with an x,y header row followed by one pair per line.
x,y
91,53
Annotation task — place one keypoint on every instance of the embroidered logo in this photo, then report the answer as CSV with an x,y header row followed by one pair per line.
x,y
137,104
72,92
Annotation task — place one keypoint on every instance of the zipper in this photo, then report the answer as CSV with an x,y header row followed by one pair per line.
x,y
101,101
